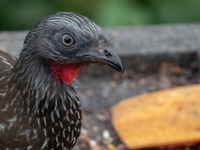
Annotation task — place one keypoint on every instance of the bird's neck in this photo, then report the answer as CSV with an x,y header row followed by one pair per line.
x,y
32,76
29,72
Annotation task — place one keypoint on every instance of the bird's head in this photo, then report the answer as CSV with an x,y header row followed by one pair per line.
x,y
67,41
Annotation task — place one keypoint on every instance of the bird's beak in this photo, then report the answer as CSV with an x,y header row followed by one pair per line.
x,y
104,56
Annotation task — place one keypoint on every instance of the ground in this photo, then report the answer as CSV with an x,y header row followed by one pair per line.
x,y
98,93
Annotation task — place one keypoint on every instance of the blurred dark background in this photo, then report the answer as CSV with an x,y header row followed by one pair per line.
x,y
23,14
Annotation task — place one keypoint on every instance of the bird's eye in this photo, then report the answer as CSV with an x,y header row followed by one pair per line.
x,y
67,40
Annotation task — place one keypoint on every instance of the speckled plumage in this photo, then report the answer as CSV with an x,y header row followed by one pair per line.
x,y
42,113
37,111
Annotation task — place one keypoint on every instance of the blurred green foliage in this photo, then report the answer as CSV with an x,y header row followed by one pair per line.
x,y
23,14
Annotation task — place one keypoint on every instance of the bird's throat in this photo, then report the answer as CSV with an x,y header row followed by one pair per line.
x,y
65,72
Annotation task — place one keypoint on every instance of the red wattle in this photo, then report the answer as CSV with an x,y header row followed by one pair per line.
x,y
65,72
69,72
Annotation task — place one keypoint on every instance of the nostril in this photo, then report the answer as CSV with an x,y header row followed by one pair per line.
x,y
108,54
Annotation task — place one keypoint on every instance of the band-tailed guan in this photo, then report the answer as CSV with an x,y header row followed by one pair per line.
x,y
39,108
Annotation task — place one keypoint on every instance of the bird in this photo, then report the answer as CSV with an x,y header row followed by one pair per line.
x,y
39,106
